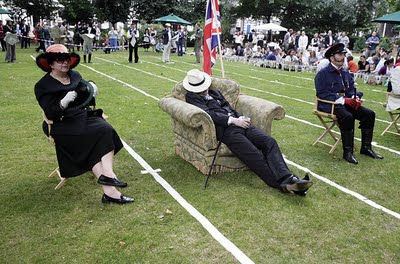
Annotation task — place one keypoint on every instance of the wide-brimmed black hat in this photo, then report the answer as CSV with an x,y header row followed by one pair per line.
x,y
335,49
55,52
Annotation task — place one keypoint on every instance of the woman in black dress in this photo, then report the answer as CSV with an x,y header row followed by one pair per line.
x,y
84,140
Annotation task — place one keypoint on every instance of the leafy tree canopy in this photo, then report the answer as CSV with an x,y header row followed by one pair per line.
x,y
77,10
36,8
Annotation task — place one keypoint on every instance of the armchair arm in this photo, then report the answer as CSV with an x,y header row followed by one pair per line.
x,y
190,122
261,112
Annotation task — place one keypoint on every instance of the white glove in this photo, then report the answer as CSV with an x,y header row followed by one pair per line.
x,y
95,89
68,98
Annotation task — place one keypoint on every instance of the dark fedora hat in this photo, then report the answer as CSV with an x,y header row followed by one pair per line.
x,y
56,52
335,49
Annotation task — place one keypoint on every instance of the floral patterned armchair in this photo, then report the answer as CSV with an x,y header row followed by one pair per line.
x,y
194,130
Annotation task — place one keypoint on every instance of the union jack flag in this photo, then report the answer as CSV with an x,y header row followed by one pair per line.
x,y
212,30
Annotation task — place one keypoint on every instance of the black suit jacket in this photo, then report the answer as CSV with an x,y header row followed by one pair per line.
x,y
166,37
327,40
218,108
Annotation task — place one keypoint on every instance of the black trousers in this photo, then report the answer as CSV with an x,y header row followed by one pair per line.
x,y
259,151
347,115
24,42
135,50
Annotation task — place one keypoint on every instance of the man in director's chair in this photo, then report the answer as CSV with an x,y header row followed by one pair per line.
x,y
335,86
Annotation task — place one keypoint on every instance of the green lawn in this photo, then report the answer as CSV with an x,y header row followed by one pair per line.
x,y
71,225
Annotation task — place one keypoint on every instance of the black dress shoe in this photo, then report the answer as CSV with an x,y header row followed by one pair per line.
x,y
104,180
122,200
296,185
348,156
370,153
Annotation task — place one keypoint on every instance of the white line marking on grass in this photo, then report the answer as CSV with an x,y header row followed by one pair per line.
x,y
375,144
211,229
278,95
272,70
281,83
139,70
345,190
124,83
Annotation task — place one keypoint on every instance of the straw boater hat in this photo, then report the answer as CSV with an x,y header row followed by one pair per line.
x,y
196,81
335,49
168,25
54,52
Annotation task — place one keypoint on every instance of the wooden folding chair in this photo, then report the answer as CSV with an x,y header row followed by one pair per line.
x,y
51,141
326,119
394,116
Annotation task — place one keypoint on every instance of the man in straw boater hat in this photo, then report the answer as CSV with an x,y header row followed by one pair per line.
x,y
334,83
243,139
167,36
84,141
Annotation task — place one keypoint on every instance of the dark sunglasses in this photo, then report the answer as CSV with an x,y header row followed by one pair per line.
x,y
62,57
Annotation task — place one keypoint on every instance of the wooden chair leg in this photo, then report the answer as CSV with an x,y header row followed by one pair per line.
x,y
395,117
328,130
62,180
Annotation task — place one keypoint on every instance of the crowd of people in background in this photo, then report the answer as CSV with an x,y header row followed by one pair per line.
x,y
295,48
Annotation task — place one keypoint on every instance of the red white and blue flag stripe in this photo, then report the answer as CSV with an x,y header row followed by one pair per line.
x,y
212,30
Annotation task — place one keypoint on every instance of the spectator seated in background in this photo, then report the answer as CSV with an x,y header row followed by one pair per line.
x,y
239,50
272,55
387,67
248,52
351,65
380,64
159,46
106,46
313,60
363,64
257,54
291,58
373,62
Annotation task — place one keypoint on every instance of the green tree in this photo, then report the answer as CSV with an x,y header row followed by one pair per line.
x,y
150,10
311,15
36,8
77,10
112,10
190,10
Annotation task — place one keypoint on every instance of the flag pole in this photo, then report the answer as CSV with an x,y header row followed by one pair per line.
x,y
218,36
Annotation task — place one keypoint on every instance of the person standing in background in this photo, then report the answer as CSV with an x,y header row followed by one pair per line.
x,y
121,38
133,35
167,35
198,42
9,29
24,35
180,42
2,34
